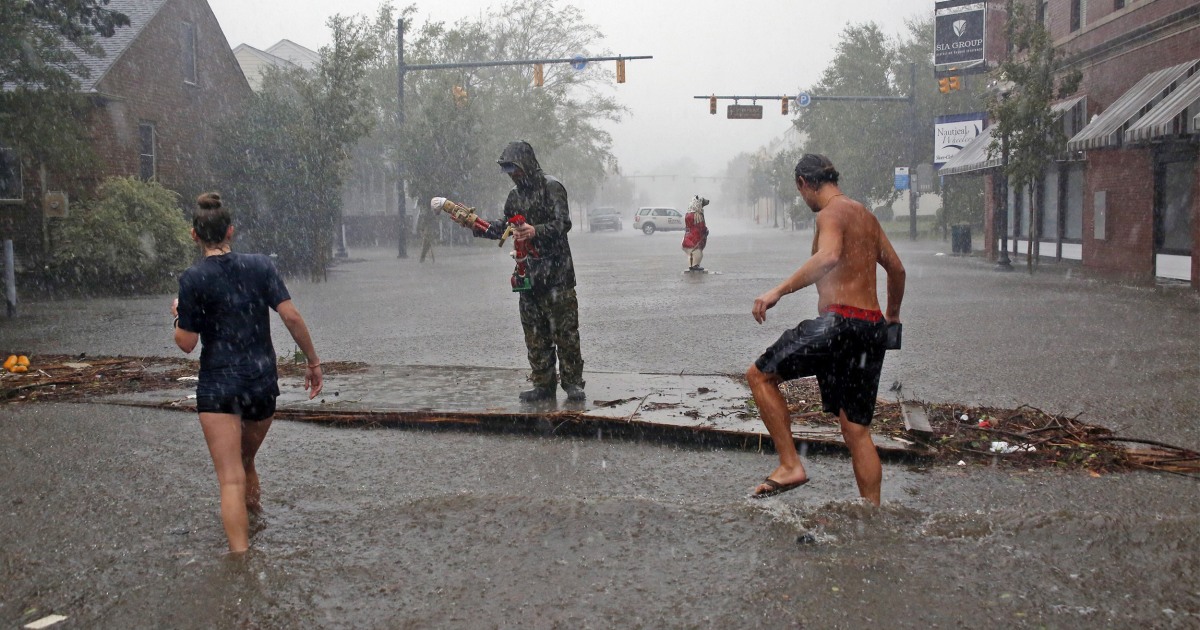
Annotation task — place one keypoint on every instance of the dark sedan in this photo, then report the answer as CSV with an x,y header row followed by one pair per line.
x,y
604,219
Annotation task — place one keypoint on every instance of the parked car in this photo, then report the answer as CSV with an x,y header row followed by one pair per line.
x,y
604,219
651,220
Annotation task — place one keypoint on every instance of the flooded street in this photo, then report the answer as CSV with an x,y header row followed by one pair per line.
x,y
109,514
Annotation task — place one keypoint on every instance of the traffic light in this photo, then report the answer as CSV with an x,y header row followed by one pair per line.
x,y
712,105
538,77
946,84
785,105
620,71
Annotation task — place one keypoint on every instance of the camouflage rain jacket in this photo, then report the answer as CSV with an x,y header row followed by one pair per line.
x,y
543,201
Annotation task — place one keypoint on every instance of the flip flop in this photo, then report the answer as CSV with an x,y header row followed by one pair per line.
x,y
776,488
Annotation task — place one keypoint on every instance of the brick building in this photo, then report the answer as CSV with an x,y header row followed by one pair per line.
x,y
1125,199
155,97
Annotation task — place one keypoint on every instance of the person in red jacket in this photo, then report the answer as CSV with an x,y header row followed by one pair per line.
x,y
695,235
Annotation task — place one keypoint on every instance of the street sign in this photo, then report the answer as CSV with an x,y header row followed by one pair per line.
x,y
901,178
579,62
803,99
743,112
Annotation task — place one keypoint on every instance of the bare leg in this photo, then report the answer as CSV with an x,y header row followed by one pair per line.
x,y
868,471
774,412
223,432
252,438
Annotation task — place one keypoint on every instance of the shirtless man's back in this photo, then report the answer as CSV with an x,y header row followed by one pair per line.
x,y
844,346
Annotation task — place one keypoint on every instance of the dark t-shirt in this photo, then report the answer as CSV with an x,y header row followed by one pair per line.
x,y
228,300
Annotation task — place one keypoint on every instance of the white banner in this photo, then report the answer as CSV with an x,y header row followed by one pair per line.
x,y
952,133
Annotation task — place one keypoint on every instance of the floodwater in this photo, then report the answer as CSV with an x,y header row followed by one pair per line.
x,y
109,514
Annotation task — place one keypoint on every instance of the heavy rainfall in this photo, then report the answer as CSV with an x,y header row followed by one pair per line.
x,y
530,242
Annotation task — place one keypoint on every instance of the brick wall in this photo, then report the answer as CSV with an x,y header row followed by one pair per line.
x,y
1127,177
147,85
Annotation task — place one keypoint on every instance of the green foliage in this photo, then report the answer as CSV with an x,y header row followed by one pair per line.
x,y
283,161
448,147
1026,128
132,238
32,35
867,140
774,177
1021,107
962,202
40,108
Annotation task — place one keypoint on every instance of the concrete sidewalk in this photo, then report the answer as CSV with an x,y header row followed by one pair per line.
x,y
688,407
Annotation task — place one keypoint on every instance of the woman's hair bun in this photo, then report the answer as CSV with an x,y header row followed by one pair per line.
x,y
209,201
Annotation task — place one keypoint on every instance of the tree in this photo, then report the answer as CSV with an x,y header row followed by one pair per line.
x,y
962,197
866,140
283,161
456,121
1028,84
896,133
40,43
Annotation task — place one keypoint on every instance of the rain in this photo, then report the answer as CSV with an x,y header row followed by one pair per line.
x,y
1037,425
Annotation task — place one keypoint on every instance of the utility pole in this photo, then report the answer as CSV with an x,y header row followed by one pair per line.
x,y
912,168
402,68
402,219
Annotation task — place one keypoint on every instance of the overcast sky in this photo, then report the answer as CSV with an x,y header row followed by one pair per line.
x,y
742,47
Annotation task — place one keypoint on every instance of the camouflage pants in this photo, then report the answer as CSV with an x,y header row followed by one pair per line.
x,y
551,322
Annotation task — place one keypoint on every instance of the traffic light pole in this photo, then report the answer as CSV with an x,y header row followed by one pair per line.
x,y
403,68
911,99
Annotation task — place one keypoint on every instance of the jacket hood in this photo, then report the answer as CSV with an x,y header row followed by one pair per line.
x,y
521,154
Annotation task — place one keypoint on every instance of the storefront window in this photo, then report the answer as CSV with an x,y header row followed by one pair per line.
x,y
1073,221
1050,194
1174,235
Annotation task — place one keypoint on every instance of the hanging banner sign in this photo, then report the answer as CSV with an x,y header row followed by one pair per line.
x,y
959,32
952,133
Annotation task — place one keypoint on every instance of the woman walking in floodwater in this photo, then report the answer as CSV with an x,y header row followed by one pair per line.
x,y
224,303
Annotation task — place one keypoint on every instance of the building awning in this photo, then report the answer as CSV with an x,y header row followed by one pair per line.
x,y
1170,117
1107,129
975,156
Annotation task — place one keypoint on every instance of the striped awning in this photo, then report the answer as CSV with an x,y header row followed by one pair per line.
x,y
1107,129
977,155
1171,116
973,157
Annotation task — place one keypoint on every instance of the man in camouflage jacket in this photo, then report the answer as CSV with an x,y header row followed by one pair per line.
x,y
550,310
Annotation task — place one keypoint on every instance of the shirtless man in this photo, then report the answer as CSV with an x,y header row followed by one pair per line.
x,y
844,346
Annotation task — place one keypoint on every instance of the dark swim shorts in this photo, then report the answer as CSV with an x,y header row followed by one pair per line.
x,y
844,353
250,407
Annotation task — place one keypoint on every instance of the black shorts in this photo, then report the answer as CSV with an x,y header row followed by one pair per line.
x,y
250,407
845,354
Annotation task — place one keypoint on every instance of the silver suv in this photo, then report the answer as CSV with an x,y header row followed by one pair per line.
x,y
650,220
